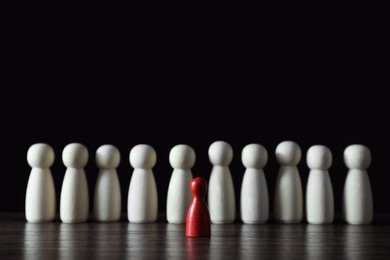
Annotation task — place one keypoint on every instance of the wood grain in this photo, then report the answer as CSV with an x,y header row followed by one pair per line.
x,y
119,240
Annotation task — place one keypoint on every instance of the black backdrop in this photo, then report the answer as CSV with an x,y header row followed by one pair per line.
x,y
102,72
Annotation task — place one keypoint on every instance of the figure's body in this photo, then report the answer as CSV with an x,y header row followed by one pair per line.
x,y
74,201
254,199
221,195
142,201
40,203
358,205
107,196
319,191
288,204
179,196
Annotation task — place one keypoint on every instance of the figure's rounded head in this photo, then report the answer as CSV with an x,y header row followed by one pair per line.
x,y
107,157
319,157
220,153
143,156
254,156
357,156
40,155
182,156
288,153
75,155
198,187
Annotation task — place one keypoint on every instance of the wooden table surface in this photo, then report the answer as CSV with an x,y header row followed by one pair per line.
x,y
160,240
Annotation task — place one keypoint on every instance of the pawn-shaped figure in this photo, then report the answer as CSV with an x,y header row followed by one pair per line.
x,y
288,201
142,201
107,198
358,205
182,159
319,191
254,190
74,200
221,195
40,202
198,222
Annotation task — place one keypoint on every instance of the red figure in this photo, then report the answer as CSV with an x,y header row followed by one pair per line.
x,y
198,222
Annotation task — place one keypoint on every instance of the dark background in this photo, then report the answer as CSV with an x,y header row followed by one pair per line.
x,y
102,72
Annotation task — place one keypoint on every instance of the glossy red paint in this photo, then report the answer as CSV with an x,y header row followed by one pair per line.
x,y
198,222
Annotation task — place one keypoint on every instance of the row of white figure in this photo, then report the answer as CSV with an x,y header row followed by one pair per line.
x,y
142,204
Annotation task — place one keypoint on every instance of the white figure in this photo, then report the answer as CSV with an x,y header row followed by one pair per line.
x,y
319,191
182,159
107,197
288,204
74,201
221,195
142,201
358,205
254,191
40,202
